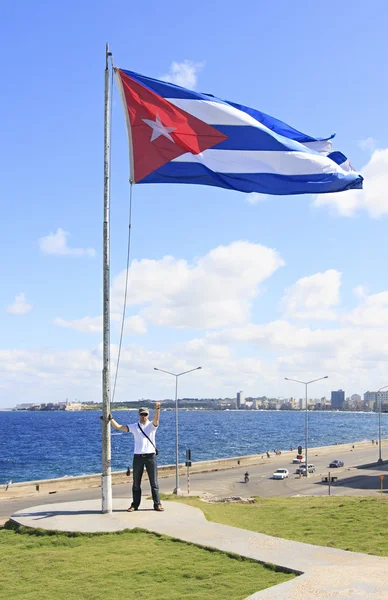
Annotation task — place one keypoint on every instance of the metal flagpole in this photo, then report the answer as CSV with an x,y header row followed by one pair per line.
x,y
307,431
106,484
177,490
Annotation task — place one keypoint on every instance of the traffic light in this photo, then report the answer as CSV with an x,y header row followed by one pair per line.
x,y
188,457
300,449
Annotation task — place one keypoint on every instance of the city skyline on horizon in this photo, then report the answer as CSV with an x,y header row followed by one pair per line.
x,y
241,400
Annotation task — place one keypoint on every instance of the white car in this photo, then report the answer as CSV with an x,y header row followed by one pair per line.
x,y
302,469
299,460
280,474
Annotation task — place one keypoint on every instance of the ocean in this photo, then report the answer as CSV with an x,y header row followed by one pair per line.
x,y
44,445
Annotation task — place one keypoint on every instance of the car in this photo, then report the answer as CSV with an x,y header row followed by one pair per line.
x,y
280,474
302,469
336,463
298,459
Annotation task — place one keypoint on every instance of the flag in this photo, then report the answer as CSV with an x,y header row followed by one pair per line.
x,y
177,135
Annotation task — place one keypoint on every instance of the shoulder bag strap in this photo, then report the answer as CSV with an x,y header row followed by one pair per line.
x,y
144,433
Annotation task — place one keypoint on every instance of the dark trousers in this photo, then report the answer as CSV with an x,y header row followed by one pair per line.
x,y
149,462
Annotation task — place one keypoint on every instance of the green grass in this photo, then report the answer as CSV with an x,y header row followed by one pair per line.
x,y
37,565
351,523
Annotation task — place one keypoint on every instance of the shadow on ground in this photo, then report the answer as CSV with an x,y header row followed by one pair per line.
x,y
361,482
55,513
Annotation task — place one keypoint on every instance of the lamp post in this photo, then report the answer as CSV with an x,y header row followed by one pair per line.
x,y
306,383
176,375
378,391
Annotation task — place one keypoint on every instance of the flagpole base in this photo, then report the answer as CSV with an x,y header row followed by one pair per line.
x,y
106,495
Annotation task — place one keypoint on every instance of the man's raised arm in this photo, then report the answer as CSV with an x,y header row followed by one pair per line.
x,y
156,414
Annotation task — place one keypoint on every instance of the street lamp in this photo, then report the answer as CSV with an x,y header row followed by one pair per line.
x,y
176,375
378,391
306,383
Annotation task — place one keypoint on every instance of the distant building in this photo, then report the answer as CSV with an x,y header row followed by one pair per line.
x,y
337,399
356,398
302,403
226,403
292,403
240,399
73,406
322,404
274,405
381,397
370,399
356,402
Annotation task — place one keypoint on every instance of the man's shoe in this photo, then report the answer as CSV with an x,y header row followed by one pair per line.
x,y
131,508
159,508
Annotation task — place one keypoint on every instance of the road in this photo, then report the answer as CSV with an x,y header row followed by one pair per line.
x,y
355,478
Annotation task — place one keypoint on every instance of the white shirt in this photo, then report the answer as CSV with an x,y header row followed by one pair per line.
x,y
142,445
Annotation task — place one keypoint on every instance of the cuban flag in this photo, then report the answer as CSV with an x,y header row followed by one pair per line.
x,y
180,136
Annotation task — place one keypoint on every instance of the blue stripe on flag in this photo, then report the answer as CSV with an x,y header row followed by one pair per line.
x,y
242,137
167,90
263,183
338,157
277,126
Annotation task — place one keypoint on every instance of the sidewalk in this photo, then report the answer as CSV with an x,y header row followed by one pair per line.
x,y
326,573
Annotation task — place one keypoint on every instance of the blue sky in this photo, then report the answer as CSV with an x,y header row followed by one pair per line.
x,y
322,303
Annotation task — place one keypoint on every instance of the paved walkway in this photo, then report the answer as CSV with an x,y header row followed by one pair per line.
x,y
326,573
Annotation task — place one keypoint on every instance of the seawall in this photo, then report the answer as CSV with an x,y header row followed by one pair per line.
x,y
51,486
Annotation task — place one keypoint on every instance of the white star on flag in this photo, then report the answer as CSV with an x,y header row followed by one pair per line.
x,y
159,129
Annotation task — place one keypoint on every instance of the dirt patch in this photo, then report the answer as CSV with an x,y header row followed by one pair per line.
x,y
206,497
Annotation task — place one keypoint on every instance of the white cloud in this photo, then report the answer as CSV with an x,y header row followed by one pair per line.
x,y
280,335
212,291
133,325
372,312
352,357
368,144
19,306
85,325
183,73
55,375
56,243
253,357
216,290
373,198
313,297
255,198
360,291
201,348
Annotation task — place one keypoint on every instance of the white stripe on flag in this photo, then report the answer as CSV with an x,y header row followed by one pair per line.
x,y
321,146
216,113
346,166
257,161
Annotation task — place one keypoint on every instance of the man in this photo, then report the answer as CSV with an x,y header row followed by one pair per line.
x,y
144,455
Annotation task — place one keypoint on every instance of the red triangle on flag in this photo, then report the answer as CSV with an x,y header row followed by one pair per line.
x,y
160,131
